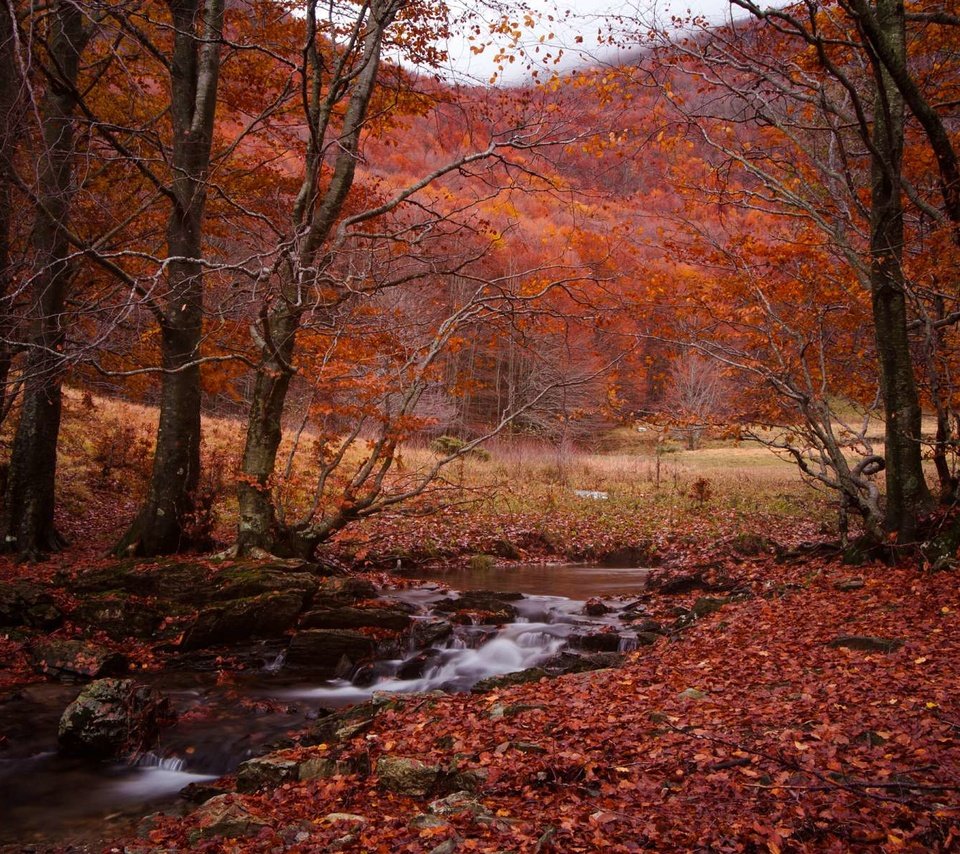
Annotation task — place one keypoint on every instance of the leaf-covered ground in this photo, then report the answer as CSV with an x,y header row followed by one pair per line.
x,y
744,732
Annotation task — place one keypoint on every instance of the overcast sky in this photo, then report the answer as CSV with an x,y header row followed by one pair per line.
x,y
573,18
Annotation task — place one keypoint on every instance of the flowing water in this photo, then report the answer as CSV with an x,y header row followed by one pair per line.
x,y
44,796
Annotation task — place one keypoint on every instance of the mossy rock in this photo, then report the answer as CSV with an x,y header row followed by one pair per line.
x,y
119,615
265,616
29,605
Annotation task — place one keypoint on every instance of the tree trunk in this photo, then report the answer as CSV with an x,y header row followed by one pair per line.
x,y
907,494
163,524
11,110
258,527
28,518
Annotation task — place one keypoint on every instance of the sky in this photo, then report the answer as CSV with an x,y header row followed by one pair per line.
x,y
570,19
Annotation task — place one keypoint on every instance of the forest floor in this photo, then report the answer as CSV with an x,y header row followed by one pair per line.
x,y
816,710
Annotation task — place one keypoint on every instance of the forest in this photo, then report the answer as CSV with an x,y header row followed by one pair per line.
x,y
563,458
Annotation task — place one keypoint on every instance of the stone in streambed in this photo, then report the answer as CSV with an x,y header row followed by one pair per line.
x,y
350,617
426,633
328,653
266,616
112,717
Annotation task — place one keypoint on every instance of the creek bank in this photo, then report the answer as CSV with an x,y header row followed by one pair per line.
x,y
455,646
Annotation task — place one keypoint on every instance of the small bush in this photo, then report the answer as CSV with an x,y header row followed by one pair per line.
x,y
701,490
481,562
447,445
119,449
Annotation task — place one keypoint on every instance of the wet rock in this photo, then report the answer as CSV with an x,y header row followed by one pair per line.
x,y
119,615
265,616
229,816
348,617
597,642
572,662
270,770
864,643
414,668
648,626
25,604
595,608
520,677
342,725
200,793
492,606
430,632
408,776
329,653
113,717
75,660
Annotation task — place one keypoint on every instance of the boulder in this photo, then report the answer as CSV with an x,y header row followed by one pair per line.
x,y
329,653
351,617
408,776
597,642
119,615
494,606
75,660
344,724
25,604
429,632
113,717
336,591
229,816
571,662
268,615
247,580
595,608
270,770
414,668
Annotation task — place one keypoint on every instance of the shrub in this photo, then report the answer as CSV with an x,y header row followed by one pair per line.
x,y
447,445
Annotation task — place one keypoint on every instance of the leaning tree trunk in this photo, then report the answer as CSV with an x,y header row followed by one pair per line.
x,y
163,524
28,518
907,494
259,529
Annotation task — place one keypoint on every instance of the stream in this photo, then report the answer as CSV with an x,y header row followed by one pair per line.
x,y
223,720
